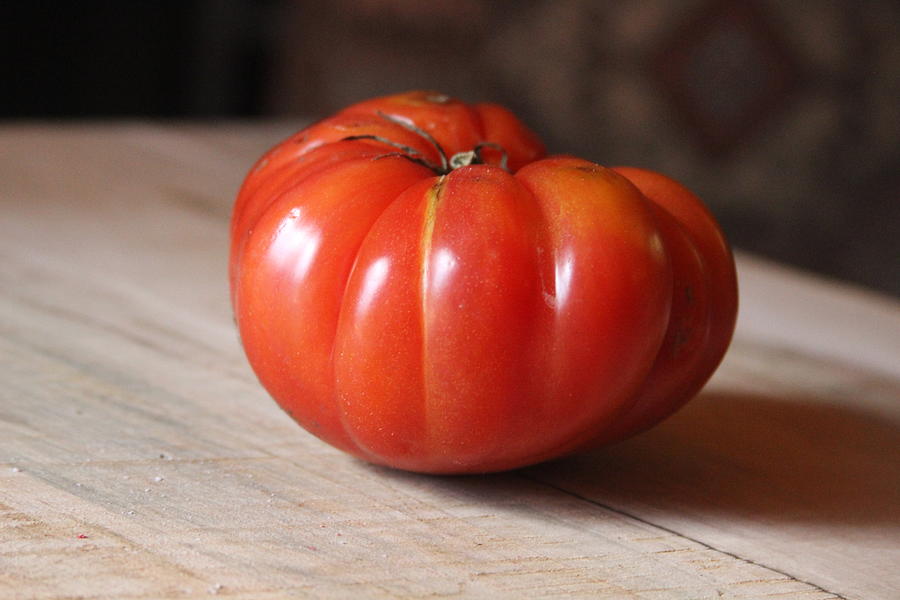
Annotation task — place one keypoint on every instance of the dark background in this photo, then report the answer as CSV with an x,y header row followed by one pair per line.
x,y
783,115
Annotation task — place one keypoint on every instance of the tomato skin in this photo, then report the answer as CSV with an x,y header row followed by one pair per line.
x,y
704,304
472,319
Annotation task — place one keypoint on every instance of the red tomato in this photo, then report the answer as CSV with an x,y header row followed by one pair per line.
x,y
416,284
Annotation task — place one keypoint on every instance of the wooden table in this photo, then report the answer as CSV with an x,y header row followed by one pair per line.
x,y
139,457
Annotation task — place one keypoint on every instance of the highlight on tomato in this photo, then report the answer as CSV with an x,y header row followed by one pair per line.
x,y
416,283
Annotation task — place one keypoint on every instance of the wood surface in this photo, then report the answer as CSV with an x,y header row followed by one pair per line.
x,y
139,457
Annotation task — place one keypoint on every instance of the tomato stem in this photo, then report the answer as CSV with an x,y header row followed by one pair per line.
x,y
418,161
403,148
410,126
475,157
460,159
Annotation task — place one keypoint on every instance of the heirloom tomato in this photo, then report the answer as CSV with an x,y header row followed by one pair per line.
x,y
417,284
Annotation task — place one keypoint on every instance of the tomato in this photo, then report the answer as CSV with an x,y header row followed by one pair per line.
x,y
417,284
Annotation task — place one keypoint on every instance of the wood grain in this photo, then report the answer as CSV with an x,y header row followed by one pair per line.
x,y
139,458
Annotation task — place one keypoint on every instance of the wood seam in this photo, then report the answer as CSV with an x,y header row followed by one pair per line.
x,y
679,535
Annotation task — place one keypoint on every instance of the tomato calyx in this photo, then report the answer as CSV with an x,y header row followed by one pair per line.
x,y
475,156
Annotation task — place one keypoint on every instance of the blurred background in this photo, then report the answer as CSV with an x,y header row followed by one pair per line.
x,y
783,115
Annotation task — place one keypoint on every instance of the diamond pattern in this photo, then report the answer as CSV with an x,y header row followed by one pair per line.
x,y
726,72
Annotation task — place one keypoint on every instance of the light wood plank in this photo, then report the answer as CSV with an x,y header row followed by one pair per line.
x,y
128,416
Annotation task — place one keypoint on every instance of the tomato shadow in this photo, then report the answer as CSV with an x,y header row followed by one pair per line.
x,y
751,457
747,456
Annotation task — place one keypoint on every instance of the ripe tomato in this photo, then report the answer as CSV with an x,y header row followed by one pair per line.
x,y
416,284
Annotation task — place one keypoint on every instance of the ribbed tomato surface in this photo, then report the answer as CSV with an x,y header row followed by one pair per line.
x,y
416,284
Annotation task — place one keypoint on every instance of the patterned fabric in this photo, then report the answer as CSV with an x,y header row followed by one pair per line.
x,y
783,115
